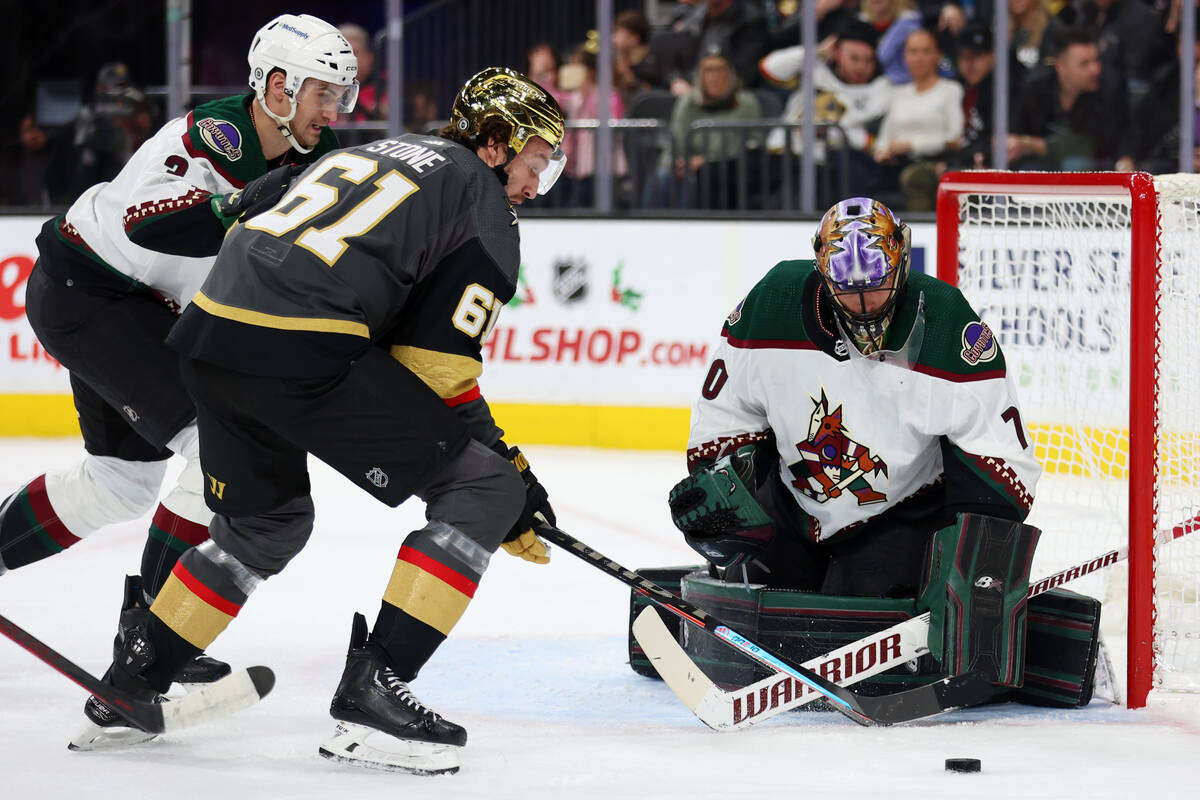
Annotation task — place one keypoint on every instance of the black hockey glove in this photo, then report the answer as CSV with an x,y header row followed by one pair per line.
x,y
259,194
522,540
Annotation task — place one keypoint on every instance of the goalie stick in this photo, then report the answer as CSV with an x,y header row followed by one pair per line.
x,y
952,692
242,689
857,661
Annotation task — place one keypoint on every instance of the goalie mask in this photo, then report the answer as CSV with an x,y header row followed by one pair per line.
x,y
862,253
526,106
309,50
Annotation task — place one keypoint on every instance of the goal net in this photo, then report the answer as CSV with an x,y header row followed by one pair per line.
x,y
1091,284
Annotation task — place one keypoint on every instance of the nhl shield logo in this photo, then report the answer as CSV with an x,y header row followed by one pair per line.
x,y
377,477
570,281
979,345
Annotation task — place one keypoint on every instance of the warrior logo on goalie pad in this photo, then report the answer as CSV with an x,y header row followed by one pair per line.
x,y
832,462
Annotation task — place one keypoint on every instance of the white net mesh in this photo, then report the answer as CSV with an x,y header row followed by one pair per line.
x,y
1051,275
1177,565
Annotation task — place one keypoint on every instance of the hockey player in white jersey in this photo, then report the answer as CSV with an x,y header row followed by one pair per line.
x,y
856,426
114,272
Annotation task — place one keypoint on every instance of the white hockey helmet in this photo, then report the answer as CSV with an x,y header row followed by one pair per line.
x,y
303,47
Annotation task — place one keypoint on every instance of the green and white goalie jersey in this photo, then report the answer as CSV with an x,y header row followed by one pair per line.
x,y
935,416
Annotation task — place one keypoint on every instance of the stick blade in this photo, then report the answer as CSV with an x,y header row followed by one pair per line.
x,y
678,671
234,692
948,694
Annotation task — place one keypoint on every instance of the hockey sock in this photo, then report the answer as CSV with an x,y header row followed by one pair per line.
x,y
30,529
170,537
436,573
198,601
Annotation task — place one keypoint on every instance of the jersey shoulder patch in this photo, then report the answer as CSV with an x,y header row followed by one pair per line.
x,y
958,344
222,134
772,312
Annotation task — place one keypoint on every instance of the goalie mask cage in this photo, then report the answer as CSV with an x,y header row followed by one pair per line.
x,y
1091,284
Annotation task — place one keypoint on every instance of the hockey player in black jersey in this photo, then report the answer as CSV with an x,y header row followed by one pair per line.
x,y
111,276
347,322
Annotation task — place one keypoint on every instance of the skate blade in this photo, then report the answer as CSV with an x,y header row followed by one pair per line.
x,y
361,746
96,737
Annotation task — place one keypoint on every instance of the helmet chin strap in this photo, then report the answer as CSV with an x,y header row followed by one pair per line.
x,y
285,123
499,169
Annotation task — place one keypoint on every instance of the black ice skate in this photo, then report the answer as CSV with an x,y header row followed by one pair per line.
x,y
381,724
105,727
201,669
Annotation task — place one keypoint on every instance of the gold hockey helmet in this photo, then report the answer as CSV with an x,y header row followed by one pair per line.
x,y
530,109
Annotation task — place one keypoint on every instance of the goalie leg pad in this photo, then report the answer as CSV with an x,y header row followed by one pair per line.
x,y
976,581
668,578
802,626
1062,650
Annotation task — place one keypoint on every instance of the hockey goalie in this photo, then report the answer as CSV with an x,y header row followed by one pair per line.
x,y
857,457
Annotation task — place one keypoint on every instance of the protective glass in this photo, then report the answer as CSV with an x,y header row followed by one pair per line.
x,y
324,96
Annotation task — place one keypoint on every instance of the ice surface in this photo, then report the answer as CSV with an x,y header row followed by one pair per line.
x,y
536,672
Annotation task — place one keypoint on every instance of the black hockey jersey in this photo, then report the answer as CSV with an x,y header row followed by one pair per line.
x,y
406,243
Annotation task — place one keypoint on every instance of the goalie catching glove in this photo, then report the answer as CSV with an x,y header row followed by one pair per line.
x,y
258,195
522,540
716,509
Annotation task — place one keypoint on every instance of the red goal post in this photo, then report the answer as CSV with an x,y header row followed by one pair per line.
x,y
1068,269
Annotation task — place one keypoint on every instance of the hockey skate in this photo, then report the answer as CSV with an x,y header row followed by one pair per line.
x,y
105,727
381,724
201,669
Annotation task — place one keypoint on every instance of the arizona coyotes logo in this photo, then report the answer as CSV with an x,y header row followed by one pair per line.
x,y
832,462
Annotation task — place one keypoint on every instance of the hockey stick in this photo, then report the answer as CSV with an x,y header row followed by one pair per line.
x,y
952,692
857,661
242,689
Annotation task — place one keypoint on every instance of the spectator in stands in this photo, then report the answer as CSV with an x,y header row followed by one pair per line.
x,y
40,172
975,59
581,100
704,158
1033,31
847,90
541,65
1064,121
111,127
894,20
831,15
1157,114
635,65
923,122
1130,39
735,28
372,95
422,116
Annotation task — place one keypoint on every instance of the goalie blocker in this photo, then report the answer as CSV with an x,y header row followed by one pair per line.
x,y
1043,651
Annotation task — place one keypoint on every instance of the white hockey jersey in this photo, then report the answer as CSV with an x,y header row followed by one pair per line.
x,y
856,436
211,151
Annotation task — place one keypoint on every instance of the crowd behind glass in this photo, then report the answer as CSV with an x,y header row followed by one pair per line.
x,y
902,91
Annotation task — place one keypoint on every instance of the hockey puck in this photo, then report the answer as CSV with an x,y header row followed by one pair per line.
x,y
963,765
